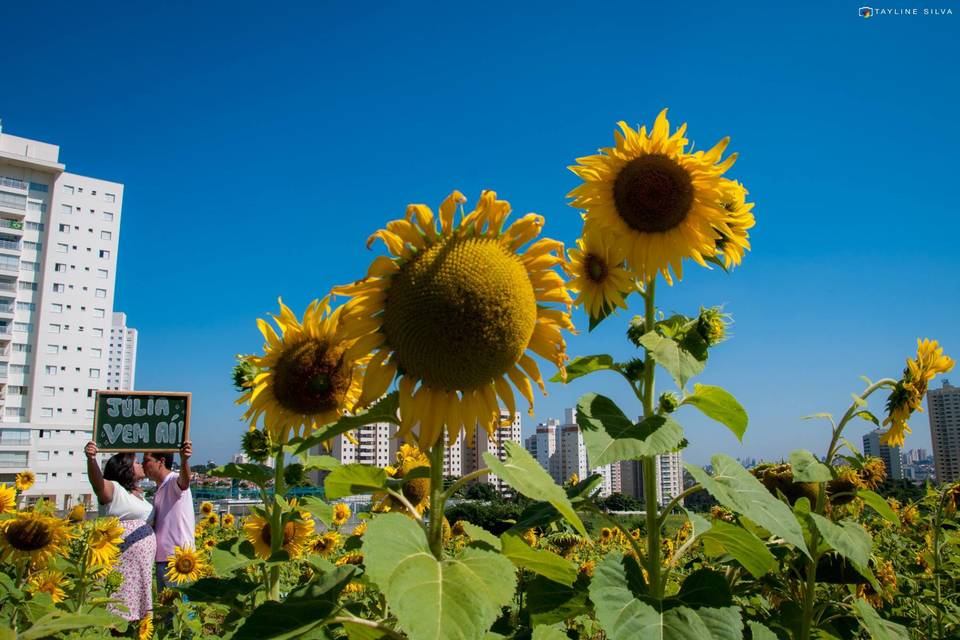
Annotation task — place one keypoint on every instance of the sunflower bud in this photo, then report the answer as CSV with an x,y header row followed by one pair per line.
x,y
669,402
256,445
712,325
638,327
633,369
243,373
295,475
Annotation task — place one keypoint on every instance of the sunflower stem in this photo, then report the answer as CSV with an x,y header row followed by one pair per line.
x,y
437,499
649,462
276,531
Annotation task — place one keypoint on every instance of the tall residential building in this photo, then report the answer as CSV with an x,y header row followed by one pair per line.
x,y
560,449
669,482
59,235
375,445
944,407
542,445
891,456
508,430
122,357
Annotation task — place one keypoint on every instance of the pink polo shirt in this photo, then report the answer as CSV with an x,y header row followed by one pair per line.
x,y
174,525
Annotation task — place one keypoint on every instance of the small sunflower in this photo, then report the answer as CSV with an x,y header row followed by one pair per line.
x,y
873,473
103,545
52,582
599,276
353,588
359,530
606,535
77,513
295,534
308,375
353,557
185,565
416,491
658,202
530,537
326,544
453,311
206,508
209,543
212,520
145,630
8,499
32,536
341,513
228,520
734,241
25,480
907,396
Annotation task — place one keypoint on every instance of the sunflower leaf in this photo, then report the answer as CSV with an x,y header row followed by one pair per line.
x,y
879,628
429,597
318,509
611,437
57,621
583,365
846,537
719,404
383,410
550,602
354,479
743,546
806,468
681,364
540,561
258,474
878,504
524,473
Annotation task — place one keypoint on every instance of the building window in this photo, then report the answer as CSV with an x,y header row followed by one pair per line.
x,y
26,306
19,368
100,293
23,285
110,197
22,348
54,328
43,455
46,412
96,353
16,412
94,373
99,313
103,274
64,228
36,186
58,287
26,265
34,226
108,216
32,246
24,327
53,349
56,307
60,267
104,253
13,201
49,391
106,235
98,333
66,209
68,189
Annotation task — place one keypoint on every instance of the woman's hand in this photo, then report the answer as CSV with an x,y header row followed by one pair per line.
x,y
91,451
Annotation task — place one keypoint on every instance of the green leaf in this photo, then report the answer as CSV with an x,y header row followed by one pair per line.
x,y
760,632
879,628
699,524
258,474
320,463
317,508
550,602
218,589
735,488
548,633
819,416
583,365
231,555
360,632
806,468
719,404
542,514
857,400
354,479
57,621
746,548
476,532
457,598
525,474
625,617
705,588
679,363
611,437
866,415
540,561
848,538
878,504
302,610
384,410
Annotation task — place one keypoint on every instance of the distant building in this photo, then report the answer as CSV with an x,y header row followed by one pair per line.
x,y
509,430
669,482
122,356
944,408
890,455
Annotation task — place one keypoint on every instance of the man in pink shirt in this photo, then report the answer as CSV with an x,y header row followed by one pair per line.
x,y
172,506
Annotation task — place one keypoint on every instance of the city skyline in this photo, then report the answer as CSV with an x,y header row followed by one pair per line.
x,y
240,191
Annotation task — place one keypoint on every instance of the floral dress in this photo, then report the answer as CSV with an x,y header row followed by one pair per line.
x,y
136,553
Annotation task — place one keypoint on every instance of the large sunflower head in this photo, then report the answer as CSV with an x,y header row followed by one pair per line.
x,y
52,582
660,203
307,376
77,513
296,532
416,491
8,499
453,312
103,545
145,628
25,480
185,565
907,396
599,276
32,536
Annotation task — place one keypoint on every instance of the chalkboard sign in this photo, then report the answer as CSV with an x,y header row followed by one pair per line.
x,y
141,420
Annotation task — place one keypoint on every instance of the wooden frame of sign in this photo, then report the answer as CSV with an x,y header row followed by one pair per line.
x,y
143,420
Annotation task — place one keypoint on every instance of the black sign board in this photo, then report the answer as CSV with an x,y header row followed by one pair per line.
x,y
141,420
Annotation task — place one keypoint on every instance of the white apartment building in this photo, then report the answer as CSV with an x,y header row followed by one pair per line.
x,y
542,445
891,456
560,450
59,235
122,354
669,482
944,407
375,445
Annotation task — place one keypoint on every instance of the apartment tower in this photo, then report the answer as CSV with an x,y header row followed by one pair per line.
x,y
944,407
122,357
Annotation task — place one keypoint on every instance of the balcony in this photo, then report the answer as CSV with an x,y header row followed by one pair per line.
x,y
14,225
10,268
13,183
10,245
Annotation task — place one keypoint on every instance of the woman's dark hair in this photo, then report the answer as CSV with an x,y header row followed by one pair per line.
x,y
120,468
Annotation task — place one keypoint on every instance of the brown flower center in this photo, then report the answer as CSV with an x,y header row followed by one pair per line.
x,y
185,565
653,193
310,378
596,268
29,535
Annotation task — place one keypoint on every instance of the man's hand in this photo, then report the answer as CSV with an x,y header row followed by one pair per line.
x,y
90,450
186,450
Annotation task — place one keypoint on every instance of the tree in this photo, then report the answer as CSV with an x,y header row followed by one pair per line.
x,y
481,491
620,502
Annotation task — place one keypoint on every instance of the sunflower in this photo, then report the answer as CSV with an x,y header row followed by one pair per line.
x,y
185,565
453,312
77,513
734,241
416,491
103,545
359,530
206,508
33,536
907,396
8,499
606,535
209,543
212,520
326,544
295,534
599,275
353,587
145,630
52,582
228,520
657,202
308,376
25,480
873,473
354,557
341,513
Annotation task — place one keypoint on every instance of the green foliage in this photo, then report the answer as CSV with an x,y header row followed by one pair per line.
x,y
611,437
676,358
496,517
742,545
579,367
719,404
545,563
354,479
806,468
258,474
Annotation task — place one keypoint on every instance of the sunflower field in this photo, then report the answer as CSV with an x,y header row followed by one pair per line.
x,y
446,328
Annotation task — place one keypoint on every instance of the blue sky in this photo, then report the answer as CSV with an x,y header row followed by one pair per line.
x,y
260,144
